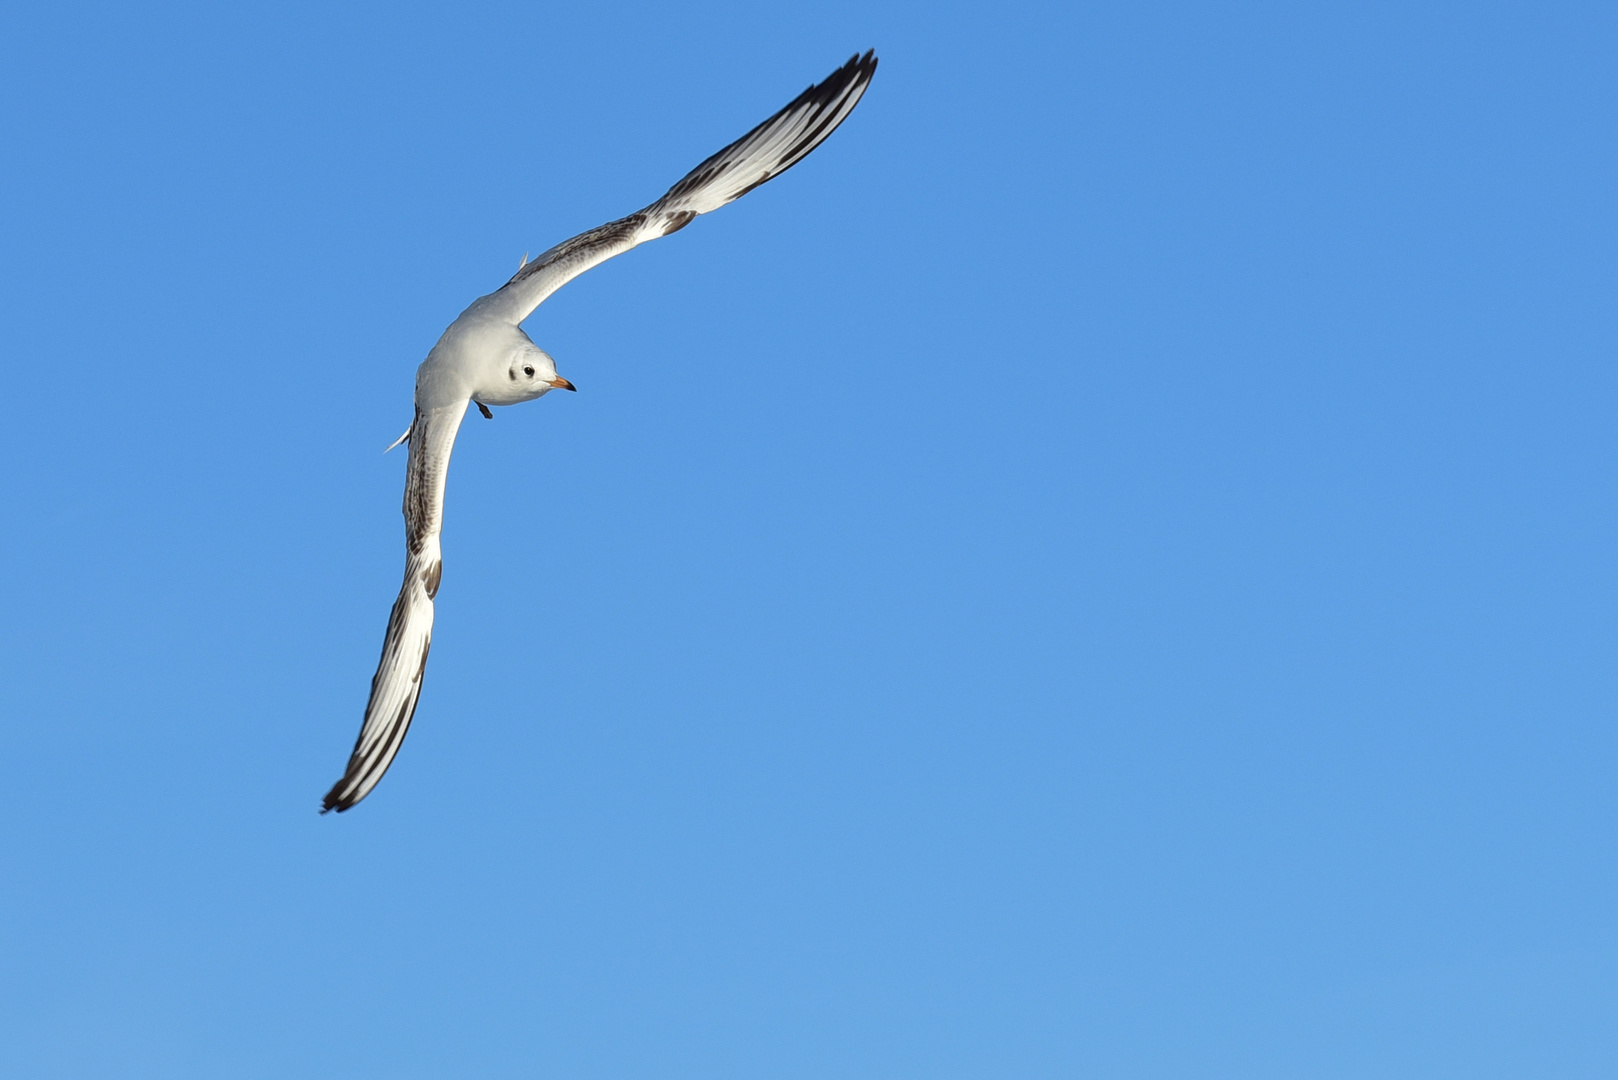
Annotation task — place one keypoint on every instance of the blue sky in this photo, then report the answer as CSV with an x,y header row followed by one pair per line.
x,y
1105,569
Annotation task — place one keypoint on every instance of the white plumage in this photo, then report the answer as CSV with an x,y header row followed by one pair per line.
x,y
485,358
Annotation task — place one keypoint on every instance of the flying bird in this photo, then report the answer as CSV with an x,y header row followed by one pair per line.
x,y
484,358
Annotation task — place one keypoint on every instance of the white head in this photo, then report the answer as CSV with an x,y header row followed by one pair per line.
x,y
529,373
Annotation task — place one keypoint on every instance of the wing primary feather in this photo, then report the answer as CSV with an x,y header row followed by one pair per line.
x,y
395,690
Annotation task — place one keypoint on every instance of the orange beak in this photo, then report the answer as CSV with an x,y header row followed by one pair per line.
x,y
562,384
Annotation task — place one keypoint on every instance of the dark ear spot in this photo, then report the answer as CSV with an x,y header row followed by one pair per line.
x,y
513,374
528,370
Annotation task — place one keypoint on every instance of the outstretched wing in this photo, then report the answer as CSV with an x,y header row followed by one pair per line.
x,y
767,151
397,683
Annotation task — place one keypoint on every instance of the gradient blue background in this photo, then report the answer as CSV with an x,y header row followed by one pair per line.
x,y
1106,569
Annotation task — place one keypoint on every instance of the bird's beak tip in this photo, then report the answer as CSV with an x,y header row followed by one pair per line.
x,y
562,384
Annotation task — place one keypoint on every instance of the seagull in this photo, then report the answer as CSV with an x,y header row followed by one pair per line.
x,y
484,358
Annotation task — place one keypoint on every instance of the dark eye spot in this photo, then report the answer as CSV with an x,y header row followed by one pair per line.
x,y
513,374
528,370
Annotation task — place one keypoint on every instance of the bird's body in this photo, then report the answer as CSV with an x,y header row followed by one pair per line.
x,y
484,357
475,358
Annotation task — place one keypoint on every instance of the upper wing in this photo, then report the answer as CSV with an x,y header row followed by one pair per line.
x,y
768,150
397,683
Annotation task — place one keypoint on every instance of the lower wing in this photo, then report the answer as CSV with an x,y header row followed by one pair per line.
x,y
397,684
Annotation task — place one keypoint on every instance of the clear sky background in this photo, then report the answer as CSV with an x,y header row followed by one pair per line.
x,y
1106,569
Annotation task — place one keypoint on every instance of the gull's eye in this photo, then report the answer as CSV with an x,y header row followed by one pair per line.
x,y
528,370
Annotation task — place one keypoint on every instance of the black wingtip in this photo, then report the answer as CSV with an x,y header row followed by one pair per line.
x,y
862,64
335,801
858,70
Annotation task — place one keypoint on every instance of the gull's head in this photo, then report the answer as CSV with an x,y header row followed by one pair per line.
x,y
531,373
